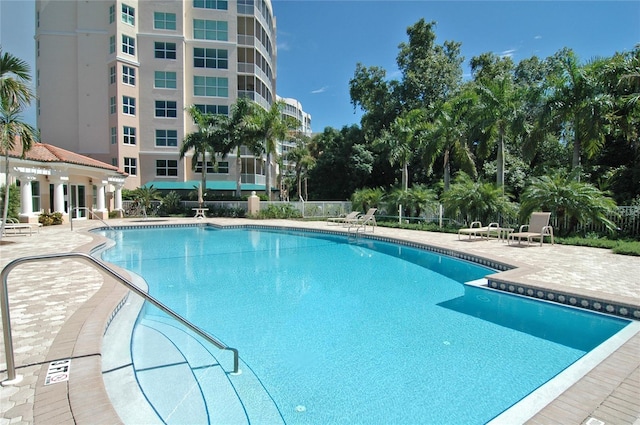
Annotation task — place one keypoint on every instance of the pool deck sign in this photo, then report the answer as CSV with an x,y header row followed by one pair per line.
x,y
58,372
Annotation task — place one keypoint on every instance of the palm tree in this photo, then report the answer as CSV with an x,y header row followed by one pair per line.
x,y
15,93
477,201
208,139
577,104
144,195
271,127
447,136
240,131
401,140
303,160
569,200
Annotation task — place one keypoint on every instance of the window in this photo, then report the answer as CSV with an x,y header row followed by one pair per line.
x,y
198,168
166,108
114,135
211,86
211,4
166,167
130,166
129,134
164,21
112,44
213,109
112,75
166,138
210,58
128,45
223,167
210,30
128,105
114,162
112,105
112,13
165,50
165,80
35,195
128,15
128,75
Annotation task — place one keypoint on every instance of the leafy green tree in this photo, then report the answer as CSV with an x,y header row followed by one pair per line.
x,y
144,195
415,201
571,201
477,201
15,93
13,207
303,160
209,139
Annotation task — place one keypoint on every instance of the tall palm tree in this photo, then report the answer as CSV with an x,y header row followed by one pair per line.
x,y
447,135
240,131
577,104
15,93
401,139
271,127
208,139
303,160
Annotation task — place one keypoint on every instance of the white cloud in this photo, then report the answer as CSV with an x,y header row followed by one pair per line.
x,y
283,47
537,37
507,53
320,90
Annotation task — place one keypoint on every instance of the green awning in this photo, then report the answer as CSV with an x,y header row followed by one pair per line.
x,y
211,185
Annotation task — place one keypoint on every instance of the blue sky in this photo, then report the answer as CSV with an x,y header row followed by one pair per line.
x,y
321,41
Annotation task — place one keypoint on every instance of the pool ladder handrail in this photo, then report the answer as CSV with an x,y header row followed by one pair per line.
x,y
6,318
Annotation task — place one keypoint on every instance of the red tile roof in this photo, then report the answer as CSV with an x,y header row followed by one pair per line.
x,y
43,152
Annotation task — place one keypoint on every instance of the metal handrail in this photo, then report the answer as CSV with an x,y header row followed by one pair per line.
x,y
6,318
93,215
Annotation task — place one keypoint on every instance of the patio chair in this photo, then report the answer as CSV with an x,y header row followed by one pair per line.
x,y
362,221
537,228
477,229
349,218
14,226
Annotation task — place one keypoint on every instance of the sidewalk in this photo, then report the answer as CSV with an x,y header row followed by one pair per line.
x,y
45,296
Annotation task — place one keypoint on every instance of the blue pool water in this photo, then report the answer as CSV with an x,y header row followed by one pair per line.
x,y
336,331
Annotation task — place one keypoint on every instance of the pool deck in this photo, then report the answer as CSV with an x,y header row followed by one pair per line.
x,y
60,308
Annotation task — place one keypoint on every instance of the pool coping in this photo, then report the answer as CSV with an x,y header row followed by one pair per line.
x,y
81,336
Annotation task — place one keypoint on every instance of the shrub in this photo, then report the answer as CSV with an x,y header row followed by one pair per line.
x,y
49,219
279,211
14,200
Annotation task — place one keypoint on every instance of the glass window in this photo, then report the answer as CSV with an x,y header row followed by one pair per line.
x,y
223,167
210,58
114,162
165,50
128,15
166,167
128,105
128,45
210,30
165,80
112,13
129,134
167,138
164,21
166,108
35,195
112,105
213,109
211,4
210,86
112,75
112,44
114,135
131,166
128,75
198,168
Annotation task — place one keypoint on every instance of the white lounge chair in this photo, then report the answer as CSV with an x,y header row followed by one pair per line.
x,y
13,226
364,220
537,228
478,230
349,218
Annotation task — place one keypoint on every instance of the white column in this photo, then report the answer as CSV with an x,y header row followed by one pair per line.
x,y
26,200
58,196
118,198
100,202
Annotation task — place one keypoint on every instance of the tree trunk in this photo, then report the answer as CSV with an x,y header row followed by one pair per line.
x,y
5,210
500,161
239,176
447,170
267,177
405,176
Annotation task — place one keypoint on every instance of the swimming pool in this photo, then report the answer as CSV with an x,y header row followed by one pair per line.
x,y
337,331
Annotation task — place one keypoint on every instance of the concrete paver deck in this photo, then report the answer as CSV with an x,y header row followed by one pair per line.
x,y
54,307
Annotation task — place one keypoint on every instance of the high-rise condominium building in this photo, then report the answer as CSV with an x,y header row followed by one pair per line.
x,y
114,79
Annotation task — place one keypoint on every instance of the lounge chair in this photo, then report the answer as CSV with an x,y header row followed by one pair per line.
x,y
478,230
349,218
14,226
537,228
364,220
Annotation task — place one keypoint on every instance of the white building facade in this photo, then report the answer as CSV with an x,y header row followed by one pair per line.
x,y
114,78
